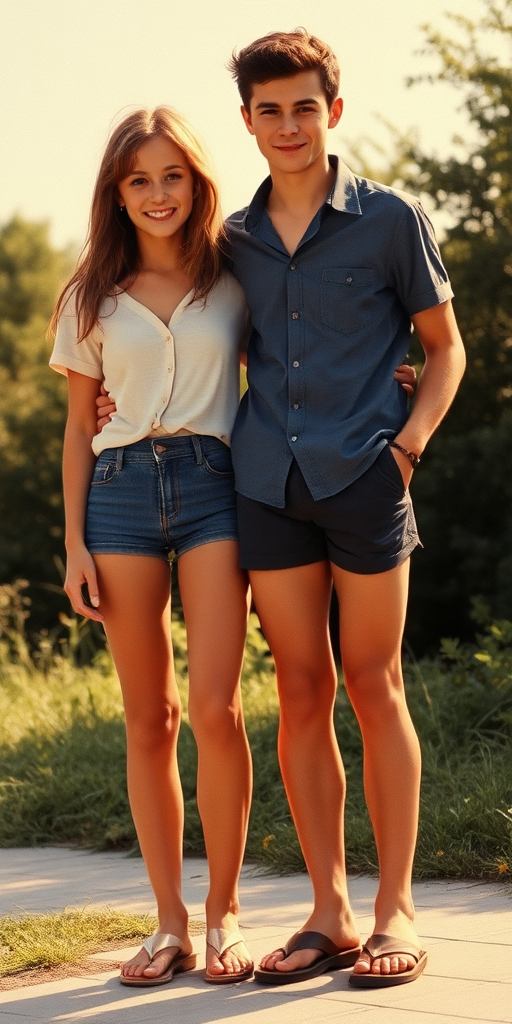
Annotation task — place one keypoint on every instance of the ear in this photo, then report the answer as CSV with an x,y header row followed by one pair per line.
x,y
335,113
246,114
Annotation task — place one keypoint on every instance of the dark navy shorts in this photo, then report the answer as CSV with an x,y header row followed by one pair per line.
x,y
160,495
369,527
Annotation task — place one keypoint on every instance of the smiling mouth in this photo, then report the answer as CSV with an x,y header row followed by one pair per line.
x,y
160,214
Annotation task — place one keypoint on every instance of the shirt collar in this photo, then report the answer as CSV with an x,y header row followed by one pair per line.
x,y
343,197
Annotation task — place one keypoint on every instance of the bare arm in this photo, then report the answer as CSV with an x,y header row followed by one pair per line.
x,y
77,467
445,361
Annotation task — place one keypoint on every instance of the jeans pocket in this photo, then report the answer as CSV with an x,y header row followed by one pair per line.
x,y
104,471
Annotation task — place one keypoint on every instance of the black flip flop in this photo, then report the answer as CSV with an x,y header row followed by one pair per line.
x,y
387,945
332,958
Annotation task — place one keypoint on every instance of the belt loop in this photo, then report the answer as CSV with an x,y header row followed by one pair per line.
x,y
196,441
119,459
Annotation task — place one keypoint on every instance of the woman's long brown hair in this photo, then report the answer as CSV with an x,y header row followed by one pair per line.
x,y
110,254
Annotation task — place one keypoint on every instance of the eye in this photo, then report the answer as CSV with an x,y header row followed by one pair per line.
x,y
174,176
138,181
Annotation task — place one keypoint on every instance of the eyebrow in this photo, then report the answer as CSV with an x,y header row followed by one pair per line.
x,y
170,167
297,103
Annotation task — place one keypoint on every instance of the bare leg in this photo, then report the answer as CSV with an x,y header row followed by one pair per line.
x,y
293,605
372,616
135,601
214,595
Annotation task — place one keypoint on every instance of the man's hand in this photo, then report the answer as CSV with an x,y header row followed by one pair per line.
x,y
106,407
405,375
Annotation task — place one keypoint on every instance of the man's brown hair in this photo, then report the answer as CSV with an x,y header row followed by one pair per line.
x,y
281,55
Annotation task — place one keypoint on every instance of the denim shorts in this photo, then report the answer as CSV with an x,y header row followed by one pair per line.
x,y
161,495
369,527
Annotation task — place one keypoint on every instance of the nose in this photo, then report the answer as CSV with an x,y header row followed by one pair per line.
x,y
159,192
288,125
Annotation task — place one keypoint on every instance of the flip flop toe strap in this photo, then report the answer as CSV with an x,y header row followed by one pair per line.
x,y
220,939
159,941
311,940
387,945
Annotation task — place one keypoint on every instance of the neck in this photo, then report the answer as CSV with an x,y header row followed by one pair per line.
x,y
160,255
304,191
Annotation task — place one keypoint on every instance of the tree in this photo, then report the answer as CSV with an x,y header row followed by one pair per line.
x,y
462,491
32,413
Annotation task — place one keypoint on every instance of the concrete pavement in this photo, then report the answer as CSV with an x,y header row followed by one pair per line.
x,y
466,928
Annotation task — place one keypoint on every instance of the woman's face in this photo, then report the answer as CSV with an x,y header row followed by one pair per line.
x,y
159,192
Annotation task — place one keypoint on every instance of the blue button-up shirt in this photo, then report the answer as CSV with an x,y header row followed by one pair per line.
x,y
330,325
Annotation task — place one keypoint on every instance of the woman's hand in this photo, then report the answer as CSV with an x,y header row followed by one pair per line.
x,y
81,580
105,408
406,376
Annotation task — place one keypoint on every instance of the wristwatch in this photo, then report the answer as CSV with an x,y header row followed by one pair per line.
x,y
413,459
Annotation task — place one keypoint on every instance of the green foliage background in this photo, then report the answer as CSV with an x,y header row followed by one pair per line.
x,y
62,753
61,730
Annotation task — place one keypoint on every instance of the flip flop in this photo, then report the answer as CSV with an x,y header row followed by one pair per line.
x,y
332,958
156,944
221,939
387,945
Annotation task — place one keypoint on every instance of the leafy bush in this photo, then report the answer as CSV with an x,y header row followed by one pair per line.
x,y
62,752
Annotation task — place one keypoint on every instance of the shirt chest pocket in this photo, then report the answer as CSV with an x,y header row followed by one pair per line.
x,y
347,301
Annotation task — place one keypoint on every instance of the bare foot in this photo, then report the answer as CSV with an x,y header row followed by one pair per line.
x,y
142,966
402,929
342,932
232,960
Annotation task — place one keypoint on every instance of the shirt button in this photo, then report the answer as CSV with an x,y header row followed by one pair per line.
x,y
296,405
168,337
293,266
295,315
294,438
349,279
296,363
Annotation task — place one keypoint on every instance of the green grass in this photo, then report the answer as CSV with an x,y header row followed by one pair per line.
x,y
62,754
50,940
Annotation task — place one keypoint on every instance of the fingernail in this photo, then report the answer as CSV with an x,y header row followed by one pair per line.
x,y
95,601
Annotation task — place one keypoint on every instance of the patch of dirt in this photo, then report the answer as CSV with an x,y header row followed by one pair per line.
x,y
40,975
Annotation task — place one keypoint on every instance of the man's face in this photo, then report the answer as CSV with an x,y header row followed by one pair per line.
x,y
289,118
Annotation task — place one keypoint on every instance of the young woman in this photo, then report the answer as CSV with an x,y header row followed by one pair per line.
x,y
151,311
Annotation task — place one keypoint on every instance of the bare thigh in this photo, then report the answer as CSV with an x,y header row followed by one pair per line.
x,y
135,600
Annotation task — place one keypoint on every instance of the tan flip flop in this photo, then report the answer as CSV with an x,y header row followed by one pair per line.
x,y
156,944
220,939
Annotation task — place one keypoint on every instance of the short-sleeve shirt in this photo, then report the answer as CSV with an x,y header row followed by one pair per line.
x,y
184,375
330,325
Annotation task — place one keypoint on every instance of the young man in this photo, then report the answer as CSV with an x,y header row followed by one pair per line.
x,y
335,269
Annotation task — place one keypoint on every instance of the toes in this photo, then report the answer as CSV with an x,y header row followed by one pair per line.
x,y
134,968
233,961
269,962
362,964
392,965
293,962
215,966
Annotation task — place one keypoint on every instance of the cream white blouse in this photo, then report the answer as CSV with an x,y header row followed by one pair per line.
x,y
183,376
